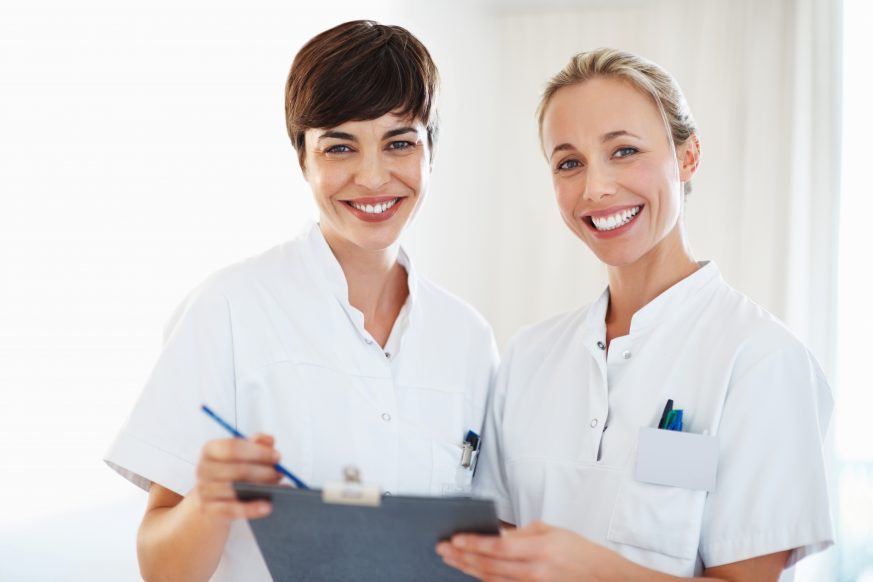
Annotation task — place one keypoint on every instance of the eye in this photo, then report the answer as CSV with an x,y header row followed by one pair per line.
x,y
338,149
624,152
570,164
401,145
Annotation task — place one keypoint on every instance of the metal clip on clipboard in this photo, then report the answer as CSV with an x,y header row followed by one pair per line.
x,y
351,491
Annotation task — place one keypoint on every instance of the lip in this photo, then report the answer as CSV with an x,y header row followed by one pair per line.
x,y
373,200
609,211
606,234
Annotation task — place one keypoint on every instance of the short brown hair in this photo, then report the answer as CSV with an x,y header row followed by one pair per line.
x,y
357,71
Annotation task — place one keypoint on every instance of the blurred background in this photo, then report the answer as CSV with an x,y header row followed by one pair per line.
x,y
142,147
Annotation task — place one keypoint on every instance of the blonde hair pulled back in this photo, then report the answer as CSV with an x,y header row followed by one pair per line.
x,y
644,75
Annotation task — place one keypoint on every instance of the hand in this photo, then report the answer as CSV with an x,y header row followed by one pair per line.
x,y
224,461
535,552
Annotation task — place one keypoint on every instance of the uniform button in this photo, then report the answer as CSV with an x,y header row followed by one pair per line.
x,y
368,341
387,494
626,355
388,355
601,345
593,423
386,417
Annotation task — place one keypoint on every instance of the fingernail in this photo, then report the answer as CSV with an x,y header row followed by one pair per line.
x,y
276,456
264,509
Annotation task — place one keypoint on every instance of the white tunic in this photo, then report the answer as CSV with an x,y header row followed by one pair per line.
x,y
562,429
273,345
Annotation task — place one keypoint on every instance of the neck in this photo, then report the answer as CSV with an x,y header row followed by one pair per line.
x,y
377,283
633,286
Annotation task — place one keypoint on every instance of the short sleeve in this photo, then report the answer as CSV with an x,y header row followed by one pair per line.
x,y
771,490
163,436
490,478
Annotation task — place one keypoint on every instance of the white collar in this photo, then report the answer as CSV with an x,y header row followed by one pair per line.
x,y
670,303
323,262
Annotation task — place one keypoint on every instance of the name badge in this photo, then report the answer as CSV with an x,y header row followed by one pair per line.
x,y
677,459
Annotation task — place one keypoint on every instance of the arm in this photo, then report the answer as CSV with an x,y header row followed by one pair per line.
x,y
543,552
182,538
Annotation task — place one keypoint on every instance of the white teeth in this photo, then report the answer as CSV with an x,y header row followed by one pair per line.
x,y
615,220
374,209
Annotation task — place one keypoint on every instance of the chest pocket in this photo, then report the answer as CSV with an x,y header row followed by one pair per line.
x,y
658,518
448,476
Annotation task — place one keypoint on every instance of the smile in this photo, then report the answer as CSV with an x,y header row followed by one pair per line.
x,y
613,221
373,208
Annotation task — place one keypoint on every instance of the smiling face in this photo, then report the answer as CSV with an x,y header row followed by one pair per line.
x,y
368,178
616,174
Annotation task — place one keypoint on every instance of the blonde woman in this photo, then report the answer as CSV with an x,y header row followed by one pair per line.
x,y
580,431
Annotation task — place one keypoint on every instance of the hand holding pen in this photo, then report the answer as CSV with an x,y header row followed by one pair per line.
x,y
223,461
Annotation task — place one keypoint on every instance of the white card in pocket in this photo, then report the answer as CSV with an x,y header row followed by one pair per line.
x,y
677,459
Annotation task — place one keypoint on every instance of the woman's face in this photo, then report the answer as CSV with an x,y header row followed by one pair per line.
x,y
368,178
614,170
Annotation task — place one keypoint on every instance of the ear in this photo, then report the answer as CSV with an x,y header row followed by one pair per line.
x,y
688,155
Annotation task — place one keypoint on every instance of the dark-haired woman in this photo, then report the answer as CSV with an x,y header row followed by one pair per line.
x,y
328,348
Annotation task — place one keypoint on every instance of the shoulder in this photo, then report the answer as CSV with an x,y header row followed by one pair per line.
x,y
768,363
237,285
755,334
536,340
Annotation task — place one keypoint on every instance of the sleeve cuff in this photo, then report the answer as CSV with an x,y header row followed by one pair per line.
x,y
142,464
803,540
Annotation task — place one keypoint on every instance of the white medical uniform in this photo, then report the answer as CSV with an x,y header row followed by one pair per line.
x,y
273,345
561,435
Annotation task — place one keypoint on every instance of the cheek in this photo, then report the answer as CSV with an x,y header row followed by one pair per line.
x,y
324,184
643,179
414,173
566,197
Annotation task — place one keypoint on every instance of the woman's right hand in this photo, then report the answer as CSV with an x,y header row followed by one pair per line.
x,y
224,461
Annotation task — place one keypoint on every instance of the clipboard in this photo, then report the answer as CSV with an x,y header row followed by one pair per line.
x,y
361,537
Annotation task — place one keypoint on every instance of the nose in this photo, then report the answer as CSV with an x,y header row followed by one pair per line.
x,y
372,171
599,182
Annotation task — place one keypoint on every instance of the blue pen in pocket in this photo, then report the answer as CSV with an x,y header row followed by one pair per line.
x,y
676,421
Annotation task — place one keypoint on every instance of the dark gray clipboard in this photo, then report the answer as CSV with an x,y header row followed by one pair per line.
x,y
305,538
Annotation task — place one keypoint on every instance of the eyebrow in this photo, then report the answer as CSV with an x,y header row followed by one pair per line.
x,y
606,137
347,136
614,134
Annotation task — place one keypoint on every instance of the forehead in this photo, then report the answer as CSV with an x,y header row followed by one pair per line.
x,y
590,109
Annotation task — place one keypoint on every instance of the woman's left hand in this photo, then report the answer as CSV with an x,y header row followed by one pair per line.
x,y
535,552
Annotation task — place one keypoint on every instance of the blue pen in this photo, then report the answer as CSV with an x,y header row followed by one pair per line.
x,y
297,482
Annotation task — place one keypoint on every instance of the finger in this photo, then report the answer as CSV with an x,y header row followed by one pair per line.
x,y
263,439
212,491
238,509
501,547
535,528
236,450
220,471
485,567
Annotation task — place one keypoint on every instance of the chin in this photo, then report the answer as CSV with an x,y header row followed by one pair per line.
x,y
377,239
622,258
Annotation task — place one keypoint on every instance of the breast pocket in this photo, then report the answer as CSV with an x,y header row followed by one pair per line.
x,y
658,518
448,476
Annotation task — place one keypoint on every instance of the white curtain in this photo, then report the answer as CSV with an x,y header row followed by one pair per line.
x,y
762,79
